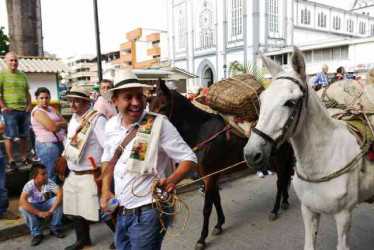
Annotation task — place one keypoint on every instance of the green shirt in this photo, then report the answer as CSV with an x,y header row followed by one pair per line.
x,y
13,87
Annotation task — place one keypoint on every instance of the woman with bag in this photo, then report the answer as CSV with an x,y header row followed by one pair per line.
x,y
49,128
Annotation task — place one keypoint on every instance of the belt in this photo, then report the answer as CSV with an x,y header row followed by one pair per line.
x,y
135,211
85,172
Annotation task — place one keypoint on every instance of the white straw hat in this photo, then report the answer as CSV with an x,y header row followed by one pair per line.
x,y
79,92
123,79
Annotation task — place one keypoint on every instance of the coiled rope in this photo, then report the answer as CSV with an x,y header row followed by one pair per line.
x,y
164,201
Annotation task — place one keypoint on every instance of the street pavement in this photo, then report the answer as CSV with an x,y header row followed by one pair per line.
x,y
247,202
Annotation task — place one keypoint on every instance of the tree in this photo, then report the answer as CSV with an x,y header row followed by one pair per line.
x,y
4,42
247,68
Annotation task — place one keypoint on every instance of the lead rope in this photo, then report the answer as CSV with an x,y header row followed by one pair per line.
x,y
164,201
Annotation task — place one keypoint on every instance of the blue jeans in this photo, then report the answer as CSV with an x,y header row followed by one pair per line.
x,y
48,152
17,124
135,232
4,202
35,223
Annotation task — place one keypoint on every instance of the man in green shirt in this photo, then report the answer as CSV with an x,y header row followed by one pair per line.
x,y
15,103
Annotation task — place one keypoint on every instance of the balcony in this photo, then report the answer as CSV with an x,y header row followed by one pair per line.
x,y
153,37
126,58
132,35
146,64
83,74
126,46
153,51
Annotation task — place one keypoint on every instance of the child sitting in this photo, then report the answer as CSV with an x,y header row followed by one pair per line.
x,y
36,203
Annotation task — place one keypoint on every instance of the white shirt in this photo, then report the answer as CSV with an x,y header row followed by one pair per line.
x,y
94,146
171,145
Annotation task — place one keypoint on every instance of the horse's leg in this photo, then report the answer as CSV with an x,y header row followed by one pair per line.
x,y
221,217
286,180
343,224
311,222
208,204
274,213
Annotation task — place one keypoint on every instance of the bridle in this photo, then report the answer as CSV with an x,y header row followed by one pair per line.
x,y
292,122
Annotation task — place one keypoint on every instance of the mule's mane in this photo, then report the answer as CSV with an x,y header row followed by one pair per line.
x,y
181,103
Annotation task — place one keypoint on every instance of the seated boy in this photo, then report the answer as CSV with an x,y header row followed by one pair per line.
x,y
36,203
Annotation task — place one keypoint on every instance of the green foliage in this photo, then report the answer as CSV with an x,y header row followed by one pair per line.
x,y
247,68
4,42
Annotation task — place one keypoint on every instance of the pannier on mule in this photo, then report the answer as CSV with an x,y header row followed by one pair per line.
x,y
238,96
354,104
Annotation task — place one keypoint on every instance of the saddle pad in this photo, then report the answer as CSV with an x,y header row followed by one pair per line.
x,y
362,131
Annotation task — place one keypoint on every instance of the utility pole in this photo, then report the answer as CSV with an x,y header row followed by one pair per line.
x,y
98,50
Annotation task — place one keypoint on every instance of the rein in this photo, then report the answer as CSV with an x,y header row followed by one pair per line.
x,y
214,136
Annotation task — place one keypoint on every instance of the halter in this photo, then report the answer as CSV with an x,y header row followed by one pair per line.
x,y
291,124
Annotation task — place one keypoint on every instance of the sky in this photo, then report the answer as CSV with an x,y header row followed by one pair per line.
x,y
68,25
69,28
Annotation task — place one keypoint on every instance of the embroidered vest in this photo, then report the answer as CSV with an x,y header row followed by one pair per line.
x,y
144,153
75,147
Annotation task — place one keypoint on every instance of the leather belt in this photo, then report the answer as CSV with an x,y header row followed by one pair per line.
x,y
135,211
85,172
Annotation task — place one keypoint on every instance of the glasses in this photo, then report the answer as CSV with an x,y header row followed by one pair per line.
x,y
70,101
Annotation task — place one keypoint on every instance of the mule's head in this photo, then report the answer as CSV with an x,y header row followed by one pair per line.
x,y
162,102
281,106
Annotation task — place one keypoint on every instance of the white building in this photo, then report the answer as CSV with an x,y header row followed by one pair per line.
x,y
206,36
80,70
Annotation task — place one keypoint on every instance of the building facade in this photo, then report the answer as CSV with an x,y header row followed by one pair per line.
x,y
143,48
206,36
80,71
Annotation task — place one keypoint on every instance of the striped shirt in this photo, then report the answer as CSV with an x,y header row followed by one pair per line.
x,y
34,195
13,87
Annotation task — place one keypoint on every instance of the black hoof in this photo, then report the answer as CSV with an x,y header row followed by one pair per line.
x,y
273,217
285,206
200,246
216,231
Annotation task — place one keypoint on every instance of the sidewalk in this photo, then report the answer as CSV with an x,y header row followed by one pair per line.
x,y
16,228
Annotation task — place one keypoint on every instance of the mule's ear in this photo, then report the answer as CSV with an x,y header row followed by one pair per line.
x,y
273,67
161,86
298,63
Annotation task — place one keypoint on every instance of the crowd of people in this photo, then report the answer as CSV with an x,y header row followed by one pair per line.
x,y
322,79
115,137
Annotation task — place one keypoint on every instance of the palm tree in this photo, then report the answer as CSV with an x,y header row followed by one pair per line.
x,y
248,68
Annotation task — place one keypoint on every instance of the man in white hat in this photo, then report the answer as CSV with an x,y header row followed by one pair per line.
x,y
85,138
146,156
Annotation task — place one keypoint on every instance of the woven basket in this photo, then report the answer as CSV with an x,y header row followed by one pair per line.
x,y
238,96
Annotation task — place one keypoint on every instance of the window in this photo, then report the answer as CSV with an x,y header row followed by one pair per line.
x,y
281,59
236,17
206,26
336,23
182,36
274,15
372,30
362,28
305,16
350,25
308,56
321,20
